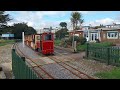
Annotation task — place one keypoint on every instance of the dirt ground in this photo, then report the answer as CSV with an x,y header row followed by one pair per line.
x,y
6,60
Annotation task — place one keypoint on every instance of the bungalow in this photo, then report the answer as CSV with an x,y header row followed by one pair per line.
x,y
7,36
110,33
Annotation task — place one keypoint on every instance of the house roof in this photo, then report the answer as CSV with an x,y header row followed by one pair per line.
x,y
76,30
112,28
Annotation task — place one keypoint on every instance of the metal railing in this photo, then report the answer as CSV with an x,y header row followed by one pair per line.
x,y
20,69
109,55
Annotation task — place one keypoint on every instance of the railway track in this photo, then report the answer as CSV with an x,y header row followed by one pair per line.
x,y
74,71
68,67
20,53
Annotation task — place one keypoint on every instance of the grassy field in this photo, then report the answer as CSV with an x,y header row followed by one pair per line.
x,y
113,74
5,42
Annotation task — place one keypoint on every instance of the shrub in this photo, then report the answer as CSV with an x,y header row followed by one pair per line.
x,y
82,40
79,40
64,42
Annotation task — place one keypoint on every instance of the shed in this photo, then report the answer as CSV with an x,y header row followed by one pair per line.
x,y
7,36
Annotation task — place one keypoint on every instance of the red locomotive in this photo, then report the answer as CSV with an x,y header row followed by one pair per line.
x,y
43,43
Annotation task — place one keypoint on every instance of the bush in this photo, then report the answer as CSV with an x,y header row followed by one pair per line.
x,y
79,40
64,42
81,47
57,42
82,40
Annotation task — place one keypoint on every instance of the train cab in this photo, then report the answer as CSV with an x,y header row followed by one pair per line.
x,y
47,43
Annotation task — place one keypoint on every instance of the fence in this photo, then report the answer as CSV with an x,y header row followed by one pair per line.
x,y
20,69
109,55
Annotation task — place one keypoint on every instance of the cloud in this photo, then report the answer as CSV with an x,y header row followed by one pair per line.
x,y
41,19
104,21
35,18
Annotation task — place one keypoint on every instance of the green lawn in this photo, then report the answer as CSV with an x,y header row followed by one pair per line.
x,y
5,42
103,44
83,47
57,42
113,74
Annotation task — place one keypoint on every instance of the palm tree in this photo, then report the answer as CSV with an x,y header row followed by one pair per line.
x,y
73,23
81,21
75,19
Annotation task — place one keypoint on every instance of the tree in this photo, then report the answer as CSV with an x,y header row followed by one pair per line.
x,y
75,19
4,18
22,27
81,21
63,24
61,33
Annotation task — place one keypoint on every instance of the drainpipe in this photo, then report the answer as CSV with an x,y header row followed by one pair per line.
x,y
99,36
88,35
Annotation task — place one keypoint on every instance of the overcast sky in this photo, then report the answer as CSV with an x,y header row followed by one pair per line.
x,y
42,19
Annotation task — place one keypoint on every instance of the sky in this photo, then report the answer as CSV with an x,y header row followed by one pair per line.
x,y
45,19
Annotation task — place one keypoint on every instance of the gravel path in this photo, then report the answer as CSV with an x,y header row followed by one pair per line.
x,y
6,60
58,72
27,51
89,67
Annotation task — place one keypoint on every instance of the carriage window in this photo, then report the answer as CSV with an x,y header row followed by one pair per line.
x,y
48,37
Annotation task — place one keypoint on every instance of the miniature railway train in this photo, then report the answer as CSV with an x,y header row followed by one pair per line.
x,y
43,43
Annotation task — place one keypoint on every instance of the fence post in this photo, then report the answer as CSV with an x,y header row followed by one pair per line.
x,y
23,68
13,61
108,55
13,50
87,50
23,58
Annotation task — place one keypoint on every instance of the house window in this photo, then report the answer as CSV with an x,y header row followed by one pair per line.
x,y
77,35
112,35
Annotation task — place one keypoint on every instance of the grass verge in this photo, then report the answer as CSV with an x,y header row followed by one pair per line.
x,y
5,42
112,74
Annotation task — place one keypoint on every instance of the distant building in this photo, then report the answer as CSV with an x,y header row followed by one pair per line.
x,y
7,36
110,33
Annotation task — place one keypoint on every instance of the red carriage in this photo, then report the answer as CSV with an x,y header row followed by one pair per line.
x,y
43,43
